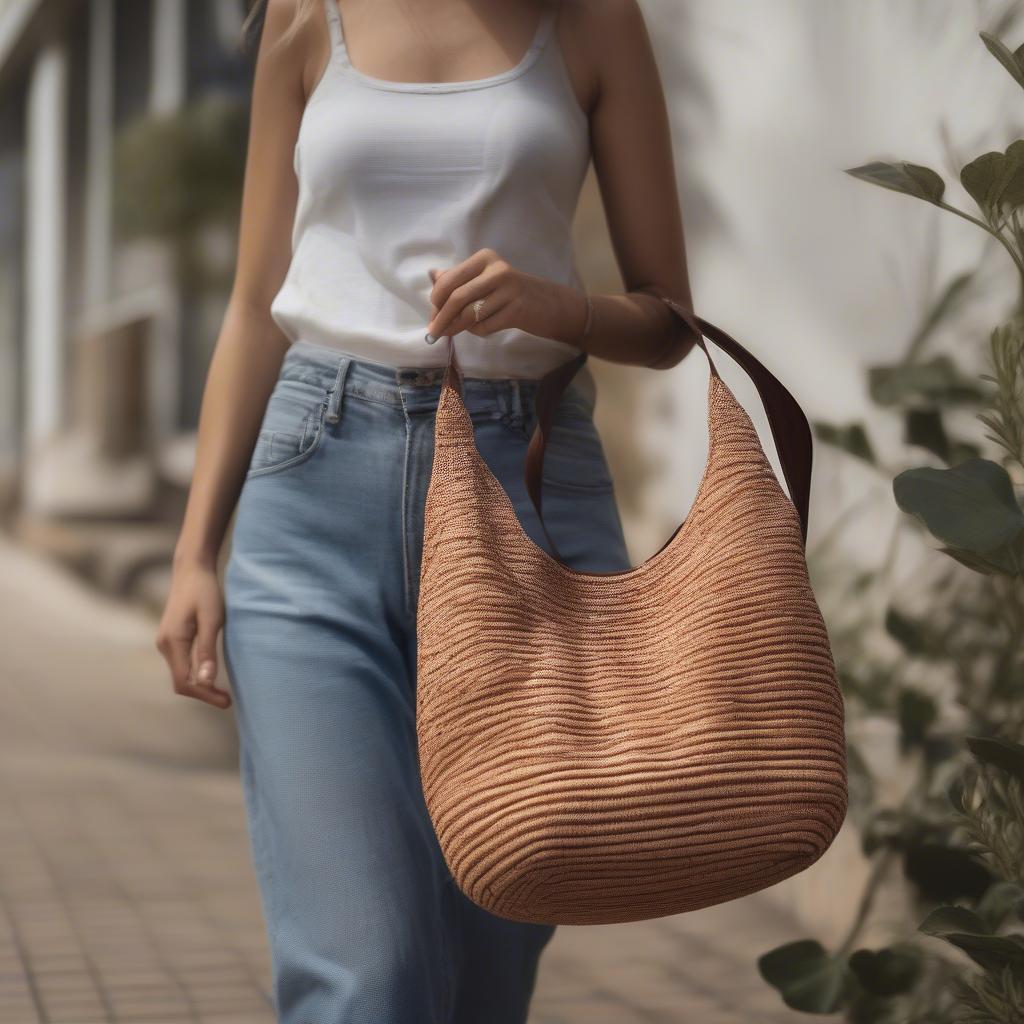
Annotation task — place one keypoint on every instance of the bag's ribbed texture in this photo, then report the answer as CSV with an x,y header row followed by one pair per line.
x,y
600,748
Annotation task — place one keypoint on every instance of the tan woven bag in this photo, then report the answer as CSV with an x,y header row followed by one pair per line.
x,y
607,747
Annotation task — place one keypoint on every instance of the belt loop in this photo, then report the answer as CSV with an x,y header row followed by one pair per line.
x,y
338,390
517,401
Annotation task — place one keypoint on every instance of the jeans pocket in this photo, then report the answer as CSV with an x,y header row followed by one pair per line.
x,y
292,427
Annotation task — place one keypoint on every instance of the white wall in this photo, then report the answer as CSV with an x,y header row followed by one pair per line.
x,y
817,273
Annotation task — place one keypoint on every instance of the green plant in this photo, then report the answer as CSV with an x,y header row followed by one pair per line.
x,y
956,687
177,175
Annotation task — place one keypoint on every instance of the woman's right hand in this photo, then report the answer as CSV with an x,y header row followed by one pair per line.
x,y
187,635
247,357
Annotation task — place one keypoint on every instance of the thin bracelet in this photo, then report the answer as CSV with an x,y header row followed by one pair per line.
x,y
590,316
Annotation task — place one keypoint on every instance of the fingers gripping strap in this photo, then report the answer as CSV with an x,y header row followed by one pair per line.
x,y
790,429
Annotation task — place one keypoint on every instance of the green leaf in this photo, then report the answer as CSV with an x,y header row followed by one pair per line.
x,y
807,977
970,506
906,178
925,429
852,439
886,972
969,932
1013,185
936,381
915,635
951,920
993,563
981,177
996,180
1002,754
945,872
1002,53
993,952
917,711
929,185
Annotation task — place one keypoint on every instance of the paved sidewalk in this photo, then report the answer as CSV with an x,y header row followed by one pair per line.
x,y
126,890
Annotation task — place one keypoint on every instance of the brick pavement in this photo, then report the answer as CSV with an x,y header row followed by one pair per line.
x,y
126,890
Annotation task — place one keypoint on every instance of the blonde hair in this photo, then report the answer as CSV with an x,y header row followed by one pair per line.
x,y
253,24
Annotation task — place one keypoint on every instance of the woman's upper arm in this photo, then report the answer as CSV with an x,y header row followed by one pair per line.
x,y
280,84
633,157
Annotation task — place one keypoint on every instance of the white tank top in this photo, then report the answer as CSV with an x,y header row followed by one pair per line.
x,y
397,177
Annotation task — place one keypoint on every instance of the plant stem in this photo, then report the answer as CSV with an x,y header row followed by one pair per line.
x,y
867,899
1018,263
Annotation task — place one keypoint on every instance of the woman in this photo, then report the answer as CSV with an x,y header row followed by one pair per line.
x,y
412,172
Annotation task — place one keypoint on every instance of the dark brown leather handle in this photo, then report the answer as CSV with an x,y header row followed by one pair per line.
x,y
790,429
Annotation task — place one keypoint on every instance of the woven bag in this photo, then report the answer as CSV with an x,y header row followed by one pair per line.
x,y
606,747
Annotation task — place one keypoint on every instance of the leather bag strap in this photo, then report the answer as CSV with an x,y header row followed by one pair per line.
x,y
790,429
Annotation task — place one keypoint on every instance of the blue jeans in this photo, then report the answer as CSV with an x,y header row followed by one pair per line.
x,y
364,920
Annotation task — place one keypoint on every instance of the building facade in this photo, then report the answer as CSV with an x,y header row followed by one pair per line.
x,y
100,347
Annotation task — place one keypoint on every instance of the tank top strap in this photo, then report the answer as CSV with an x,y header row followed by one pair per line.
x,y
334,25
547,22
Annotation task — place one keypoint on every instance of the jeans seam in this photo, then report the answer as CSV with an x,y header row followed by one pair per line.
x,y
263,856
405,502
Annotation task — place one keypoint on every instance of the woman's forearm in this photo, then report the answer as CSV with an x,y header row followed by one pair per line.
x,y
636,328
243,370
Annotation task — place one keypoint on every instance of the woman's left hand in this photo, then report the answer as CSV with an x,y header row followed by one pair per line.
x,y
509,297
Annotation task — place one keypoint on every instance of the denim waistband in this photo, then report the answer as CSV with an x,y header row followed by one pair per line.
x,y
413,387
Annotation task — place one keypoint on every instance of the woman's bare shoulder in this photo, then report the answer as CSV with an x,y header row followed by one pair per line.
x,y
605,40
598,15
605,30
295,38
